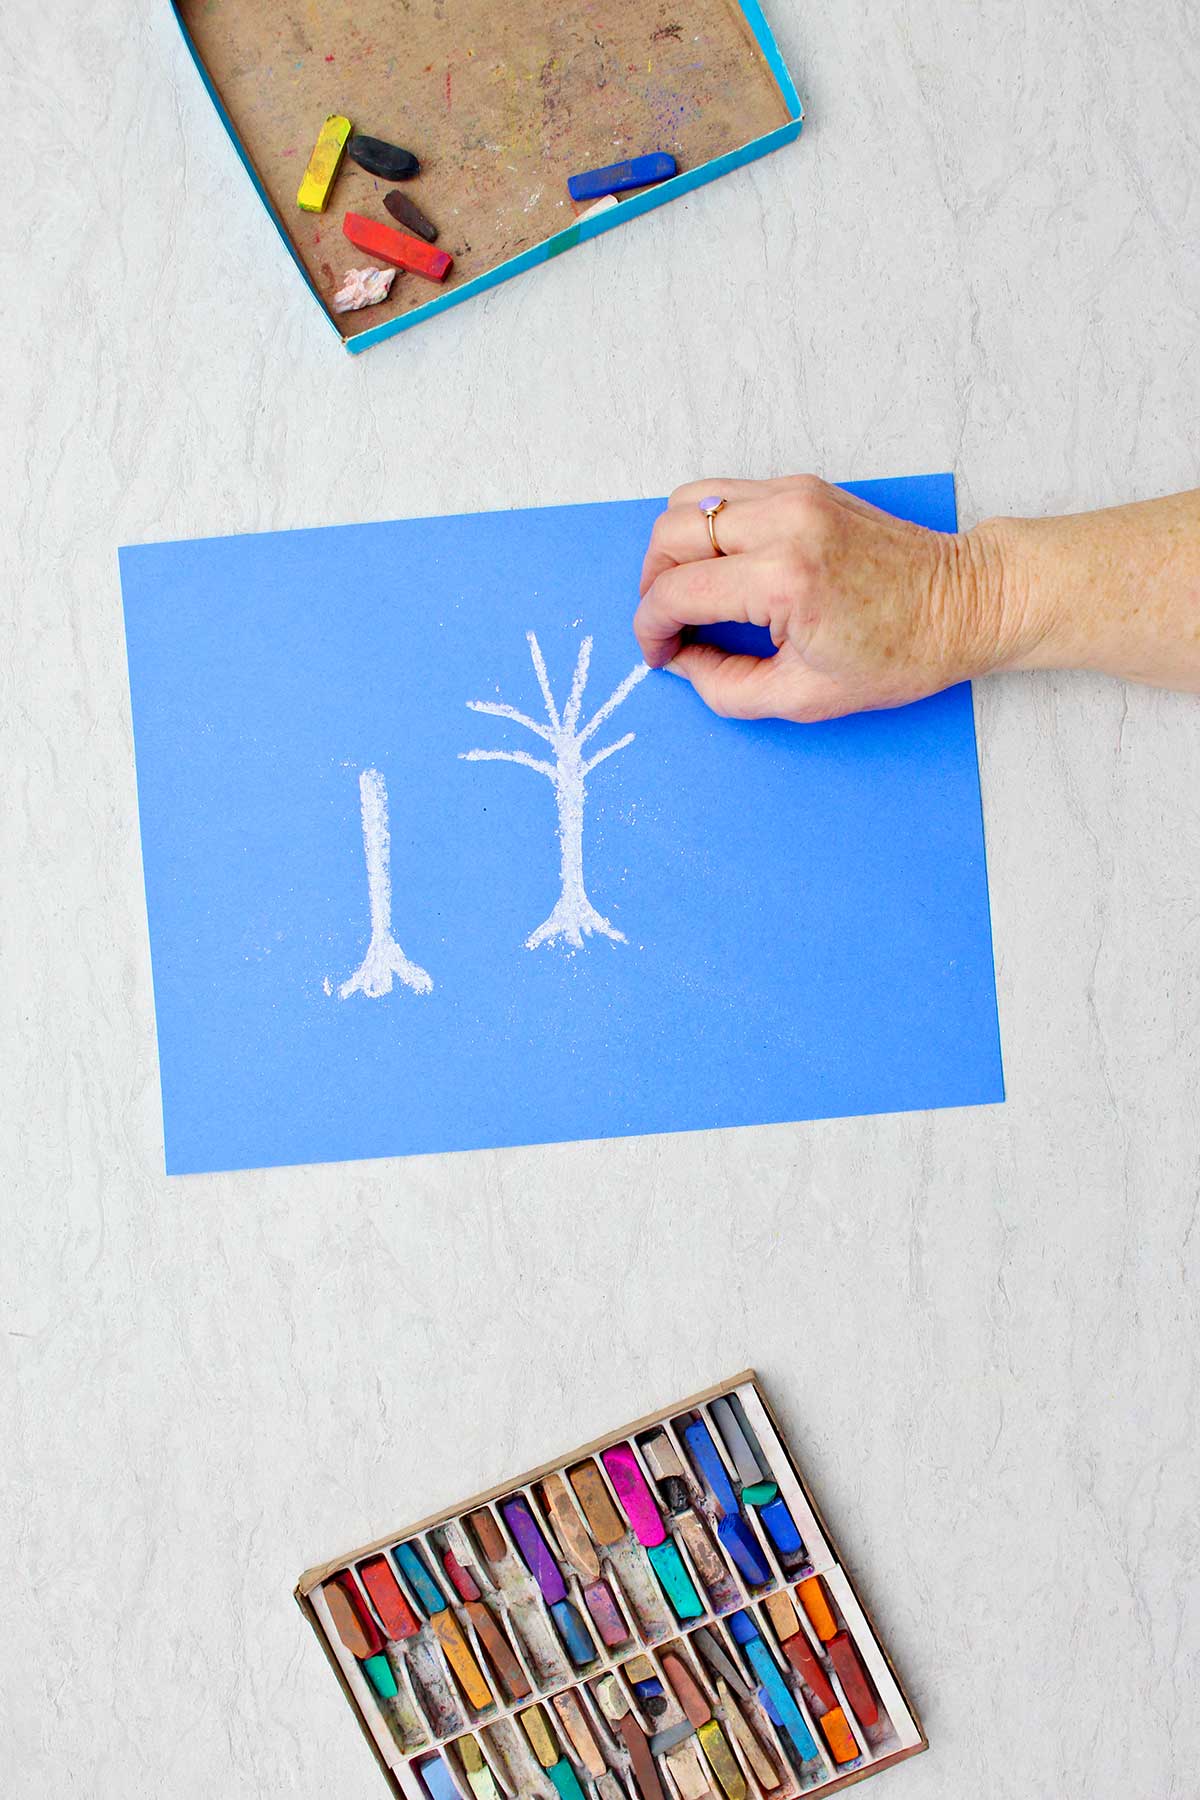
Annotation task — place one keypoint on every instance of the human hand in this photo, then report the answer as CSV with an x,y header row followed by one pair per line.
x,y
866,610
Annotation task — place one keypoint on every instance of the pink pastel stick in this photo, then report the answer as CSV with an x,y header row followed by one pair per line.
x,y
605,1617
635,1497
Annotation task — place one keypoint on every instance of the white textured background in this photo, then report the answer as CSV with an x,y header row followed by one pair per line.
x,y
980,1326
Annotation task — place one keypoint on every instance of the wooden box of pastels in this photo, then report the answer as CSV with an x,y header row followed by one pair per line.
x,y
659,1616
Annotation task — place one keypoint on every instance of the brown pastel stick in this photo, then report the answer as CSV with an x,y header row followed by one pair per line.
x,y
603,1522
853,1677
815,1602
645,1771
509,1671
576,1726
569,1528
684,1686
843,1746
448,1632
488,1535
353,1622
782,1615
709,1566
410,214
742,1732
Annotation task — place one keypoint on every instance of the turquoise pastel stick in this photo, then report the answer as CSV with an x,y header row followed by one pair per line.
x,y
674,1580
425,1590
565,1780
792,1719
378,1671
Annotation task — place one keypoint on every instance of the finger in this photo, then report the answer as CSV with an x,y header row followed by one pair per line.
x,y
681,535
759,687
727,486
700,593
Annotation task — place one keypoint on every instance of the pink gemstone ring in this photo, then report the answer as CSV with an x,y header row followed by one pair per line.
x,y
710,508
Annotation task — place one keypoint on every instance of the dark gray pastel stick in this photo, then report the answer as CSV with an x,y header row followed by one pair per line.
x,y
378,157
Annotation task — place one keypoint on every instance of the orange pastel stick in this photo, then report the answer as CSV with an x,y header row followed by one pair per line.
x,y
839,1737
815,1602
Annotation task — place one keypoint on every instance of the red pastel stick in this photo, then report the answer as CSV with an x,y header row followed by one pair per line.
x,y
399,1620
844,1658
396,247
799,1653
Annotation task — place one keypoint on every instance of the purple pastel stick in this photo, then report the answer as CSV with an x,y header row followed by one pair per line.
x,y
535,1550
635,1497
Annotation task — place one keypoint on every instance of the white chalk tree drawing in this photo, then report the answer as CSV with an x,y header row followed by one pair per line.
x,y
384,958
574,917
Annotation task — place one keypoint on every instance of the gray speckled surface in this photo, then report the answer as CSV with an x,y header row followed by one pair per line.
x,y
979,1327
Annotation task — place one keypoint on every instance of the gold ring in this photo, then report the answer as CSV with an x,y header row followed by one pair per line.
x,y
710,508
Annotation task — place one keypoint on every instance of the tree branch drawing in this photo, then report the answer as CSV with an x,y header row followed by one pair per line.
x,y
384,958
574,917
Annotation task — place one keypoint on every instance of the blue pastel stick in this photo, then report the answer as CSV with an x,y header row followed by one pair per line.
x,y
742,1628
707,1458
639,171
765,1667
769,1707
438,1780
571,1629
781,1527
744,1549
426,1592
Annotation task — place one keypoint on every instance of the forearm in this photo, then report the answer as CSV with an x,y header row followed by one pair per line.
x,y
1116,591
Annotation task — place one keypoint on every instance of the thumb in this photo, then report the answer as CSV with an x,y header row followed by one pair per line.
x,y
758,687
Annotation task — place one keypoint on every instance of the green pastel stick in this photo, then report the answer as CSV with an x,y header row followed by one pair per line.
x,y
565,1780
378,1671
760,1493
674,1580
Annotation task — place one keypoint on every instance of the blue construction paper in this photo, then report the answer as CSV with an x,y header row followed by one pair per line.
x,y
805,907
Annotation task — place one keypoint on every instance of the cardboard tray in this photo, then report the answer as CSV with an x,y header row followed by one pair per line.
x,y
823,1555
501,101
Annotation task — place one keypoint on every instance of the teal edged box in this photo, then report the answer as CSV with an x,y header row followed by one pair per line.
x,y
579,231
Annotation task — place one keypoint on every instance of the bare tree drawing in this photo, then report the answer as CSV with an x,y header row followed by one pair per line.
x,y
384,957
574,917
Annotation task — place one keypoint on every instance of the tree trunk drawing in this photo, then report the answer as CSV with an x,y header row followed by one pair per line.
x,y
574,917
384,958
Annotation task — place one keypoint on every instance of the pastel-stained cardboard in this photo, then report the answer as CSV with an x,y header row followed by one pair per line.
x,y
824,1555
803,909
500,102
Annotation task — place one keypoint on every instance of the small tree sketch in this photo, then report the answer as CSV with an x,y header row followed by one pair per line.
x,y
574,917
384,957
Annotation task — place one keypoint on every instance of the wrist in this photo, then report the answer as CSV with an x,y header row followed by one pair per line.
x,y
1014,603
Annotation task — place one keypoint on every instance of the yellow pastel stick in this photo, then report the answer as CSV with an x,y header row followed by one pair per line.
x,y
448,1632
323,164
538,1733
483,1784
721,1759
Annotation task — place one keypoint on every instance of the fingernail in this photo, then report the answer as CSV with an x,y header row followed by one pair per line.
x,y
672,668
